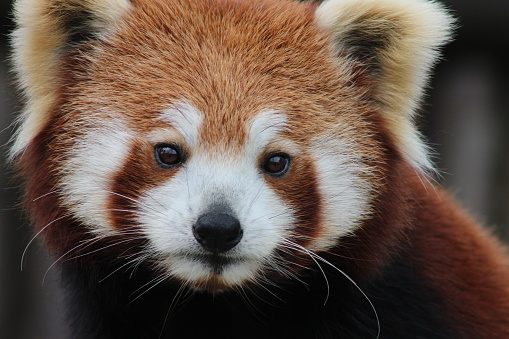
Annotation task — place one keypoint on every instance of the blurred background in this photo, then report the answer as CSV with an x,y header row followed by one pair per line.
x,y
465,118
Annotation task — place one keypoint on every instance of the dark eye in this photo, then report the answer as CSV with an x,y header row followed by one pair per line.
x,y
276,164
168,155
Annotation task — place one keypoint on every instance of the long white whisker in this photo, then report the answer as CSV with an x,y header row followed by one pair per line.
x,y
84,243
321,270
172,307
103,248
134,261
250,305
147,214
273,262
36,235
314,255
156,281
46,194
135,201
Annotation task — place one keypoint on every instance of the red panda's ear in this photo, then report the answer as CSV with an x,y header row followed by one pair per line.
x,y
398,42
46,30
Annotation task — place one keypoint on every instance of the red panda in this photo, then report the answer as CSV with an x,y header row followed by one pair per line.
x,y
246,169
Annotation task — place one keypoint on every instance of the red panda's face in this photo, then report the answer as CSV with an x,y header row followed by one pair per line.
x,y
221,153
229,140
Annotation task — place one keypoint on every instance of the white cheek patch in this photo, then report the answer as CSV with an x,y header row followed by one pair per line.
x,y
88,173
344,190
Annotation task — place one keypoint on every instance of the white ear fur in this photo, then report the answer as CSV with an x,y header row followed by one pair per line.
x,y
44,28
398,40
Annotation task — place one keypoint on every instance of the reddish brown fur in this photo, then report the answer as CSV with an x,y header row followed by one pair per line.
x,y
42,201
464,264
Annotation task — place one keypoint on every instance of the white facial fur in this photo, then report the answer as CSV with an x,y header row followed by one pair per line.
x,y
202,183
345,192
185,120
88,173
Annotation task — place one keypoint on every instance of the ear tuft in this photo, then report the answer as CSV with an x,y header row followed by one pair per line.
x,y
46,30
398,41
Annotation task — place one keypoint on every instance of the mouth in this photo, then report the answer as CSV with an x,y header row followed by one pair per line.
x,y
213,273
217,262
215,282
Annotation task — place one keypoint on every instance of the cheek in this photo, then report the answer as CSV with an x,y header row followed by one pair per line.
x,y
88,173
346,187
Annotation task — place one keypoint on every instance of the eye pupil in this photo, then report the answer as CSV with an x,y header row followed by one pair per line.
x,y
276,164
168,155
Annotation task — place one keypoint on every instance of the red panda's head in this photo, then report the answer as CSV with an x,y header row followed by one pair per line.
x,y
225,138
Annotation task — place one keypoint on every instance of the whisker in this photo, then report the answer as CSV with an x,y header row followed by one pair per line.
x,y
84,243
157,280
172,307
142,258
134,261
36,235
156,201
285,271
46,194
102,248
150,215
257,195
247,301
135,201
314,255
304,250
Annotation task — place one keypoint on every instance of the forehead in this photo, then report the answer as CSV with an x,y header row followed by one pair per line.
x,y
230,60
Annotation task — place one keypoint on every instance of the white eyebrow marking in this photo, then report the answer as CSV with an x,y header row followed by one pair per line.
x,y
265,126
186,119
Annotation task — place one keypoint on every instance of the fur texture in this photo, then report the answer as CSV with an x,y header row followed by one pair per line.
x,y
289,127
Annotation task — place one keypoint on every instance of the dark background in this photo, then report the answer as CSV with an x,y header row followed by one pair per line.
x,y
465,117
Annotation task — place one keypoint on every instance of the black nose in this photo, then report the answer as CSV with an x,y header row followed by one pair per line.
x,y
217,232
